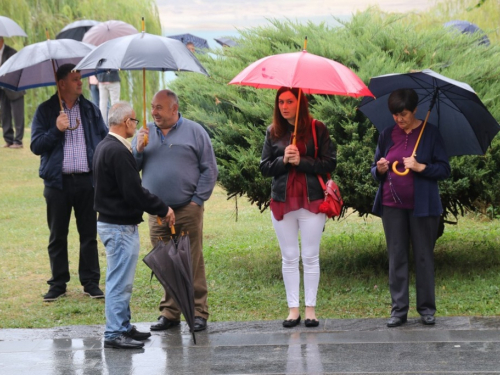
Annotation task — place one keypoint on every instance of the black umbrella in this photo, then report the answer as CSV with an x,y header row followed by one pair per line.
x,y
466,27
171,264
76,30
186,38
226,42
464,122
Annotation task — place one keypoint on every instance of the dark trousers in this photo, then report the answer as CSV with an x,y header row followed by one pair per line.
x,y
77,194
14,109
401,227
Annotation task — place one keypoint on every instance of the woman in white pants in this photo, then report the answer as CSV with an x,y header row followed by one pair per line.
x,y
296,195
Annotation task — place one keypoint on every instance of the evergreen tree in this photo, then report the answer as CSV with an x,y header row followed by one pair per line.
x,y
371,43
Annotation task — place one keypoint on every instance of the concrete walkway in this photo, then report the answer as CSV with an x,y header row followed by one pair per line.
x,y
455,345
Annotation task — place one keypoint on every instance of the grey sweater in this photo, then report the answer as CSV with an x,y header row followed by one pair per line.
x,y
181,168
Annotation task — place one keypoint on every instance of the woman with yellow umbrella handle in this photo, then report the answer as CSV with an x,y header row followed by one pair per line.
x,y
409,203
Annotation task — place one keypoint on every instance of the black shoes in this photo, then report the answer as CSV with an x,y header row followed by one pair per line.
x,y
311,322
428,320
54,294
164,323
200,323
290,323
395,321
93,291
134,334
123,342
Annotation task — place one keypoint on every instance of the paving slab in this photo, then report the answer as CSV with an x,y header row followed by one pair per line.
x,y
455,345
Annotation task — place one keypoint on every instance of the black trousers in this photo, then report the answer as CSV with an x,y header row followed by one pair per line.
x,y
401,227
14,109
77,194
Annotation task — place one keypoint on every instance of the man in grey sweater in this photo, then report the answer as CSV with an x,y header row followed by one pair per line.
x,y
178,153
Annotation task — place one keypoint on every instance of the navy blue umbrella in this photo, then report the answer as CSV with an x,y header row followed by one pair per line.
x,y
186,38
466,27
464,122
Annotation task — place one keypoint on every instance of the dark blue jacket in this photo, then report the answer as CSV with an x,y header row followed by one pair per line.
x,y
48,141
430,152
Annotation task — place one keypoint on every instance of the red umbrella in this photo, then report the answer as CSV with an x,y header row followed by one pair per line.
x,y
311,73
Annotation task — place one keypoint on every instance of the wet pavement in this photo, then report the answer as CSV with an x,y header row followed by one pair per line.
x,y
455,345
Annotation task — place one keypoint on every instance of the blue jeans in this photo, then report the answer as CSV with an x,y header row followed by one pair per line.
x,y
122,251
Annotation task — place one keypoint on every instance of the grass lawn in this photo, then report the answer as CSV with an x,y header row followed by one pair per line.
x,y
242,260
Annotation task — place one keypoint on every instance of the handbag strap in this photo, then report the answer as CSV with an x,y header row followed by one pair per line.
x,y
323,186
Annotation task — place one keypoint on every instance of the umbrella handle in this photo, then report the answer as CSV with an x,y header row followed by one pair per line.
x,y
144,125
172,228
414,153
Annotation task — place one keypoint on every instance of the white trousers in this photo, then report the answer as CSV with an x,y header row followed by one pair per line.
x,y
287,230
108,90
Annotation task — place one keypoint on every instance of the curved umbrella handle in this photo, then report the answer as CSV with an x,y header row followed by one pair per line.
x,y
172,228
406,171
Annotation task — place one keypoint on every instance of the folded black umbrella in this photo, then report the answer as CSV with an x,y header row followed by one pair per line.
x,y
464,122
171,264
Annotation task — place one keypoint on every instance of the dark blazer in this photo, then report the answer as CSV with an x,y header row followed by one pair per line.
x,y
11,95
271,163
431,152
48,141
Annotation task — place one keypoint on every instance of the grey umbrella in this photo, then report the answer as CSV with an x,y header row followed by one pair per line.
x,y
171,264
76,30
226,42
10,28
142,51
32,66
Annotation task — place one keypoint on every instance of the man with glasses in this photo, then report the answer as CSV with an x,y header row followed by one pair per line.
x,y
66,141
121,201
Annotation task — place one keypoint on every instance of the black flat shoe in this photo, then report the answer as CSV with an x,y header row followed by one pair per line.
x,y
428,320
164,323
311,322
395,321
200,324
290,323
123,342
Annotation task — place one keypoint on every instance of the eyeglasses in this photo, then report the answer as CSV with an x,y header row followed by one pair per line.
x,y
133,119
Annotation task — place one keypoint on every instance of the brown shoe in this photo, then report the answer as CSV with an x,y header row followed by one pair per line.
x,y
7,145
16,145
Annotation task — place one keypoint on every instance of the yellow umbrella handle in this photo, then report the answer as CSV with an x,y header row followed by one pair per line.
x,y
144,124
414,153
172,228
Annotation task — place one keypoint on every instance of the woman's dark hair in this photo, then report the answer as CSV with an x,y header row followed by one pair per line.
x,y
280,124
402,99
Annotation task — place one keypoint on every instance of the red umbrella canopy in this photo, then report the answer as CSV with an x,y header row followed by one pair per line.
x,y
312,73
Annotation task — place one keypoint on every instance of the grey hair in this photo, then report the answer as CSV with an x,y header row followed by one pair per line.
x,y
119,112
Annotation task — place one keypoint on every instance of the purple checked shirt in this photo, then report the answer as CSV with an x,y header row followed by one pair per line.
x,y
75,151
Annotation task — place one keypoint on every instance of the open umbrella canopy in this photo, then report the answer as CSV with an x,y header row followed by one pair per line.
x,y
9,28
186,38
108,30
311,73
466,27
226,42
171,264
32,66
142,51
464,122
76,30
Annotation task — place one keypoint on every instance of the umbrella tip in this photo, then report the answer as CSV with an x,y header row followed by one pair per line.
x,y
305,43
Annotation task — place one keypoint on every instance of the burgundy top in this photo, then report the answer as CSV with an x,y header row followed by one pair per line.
x,y
398,191
296,193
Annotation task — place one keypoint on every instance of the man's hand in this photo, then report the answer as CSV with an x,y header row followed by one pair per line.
x,y
62,121
170,218
140,139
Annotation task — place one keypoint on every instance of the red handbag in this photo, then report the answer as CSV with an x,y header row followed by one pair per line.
x,y
332,205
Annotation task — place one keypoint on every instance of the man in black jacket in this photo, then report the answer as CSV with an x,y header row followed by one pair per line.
x,y
66,141
11,106
121,201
